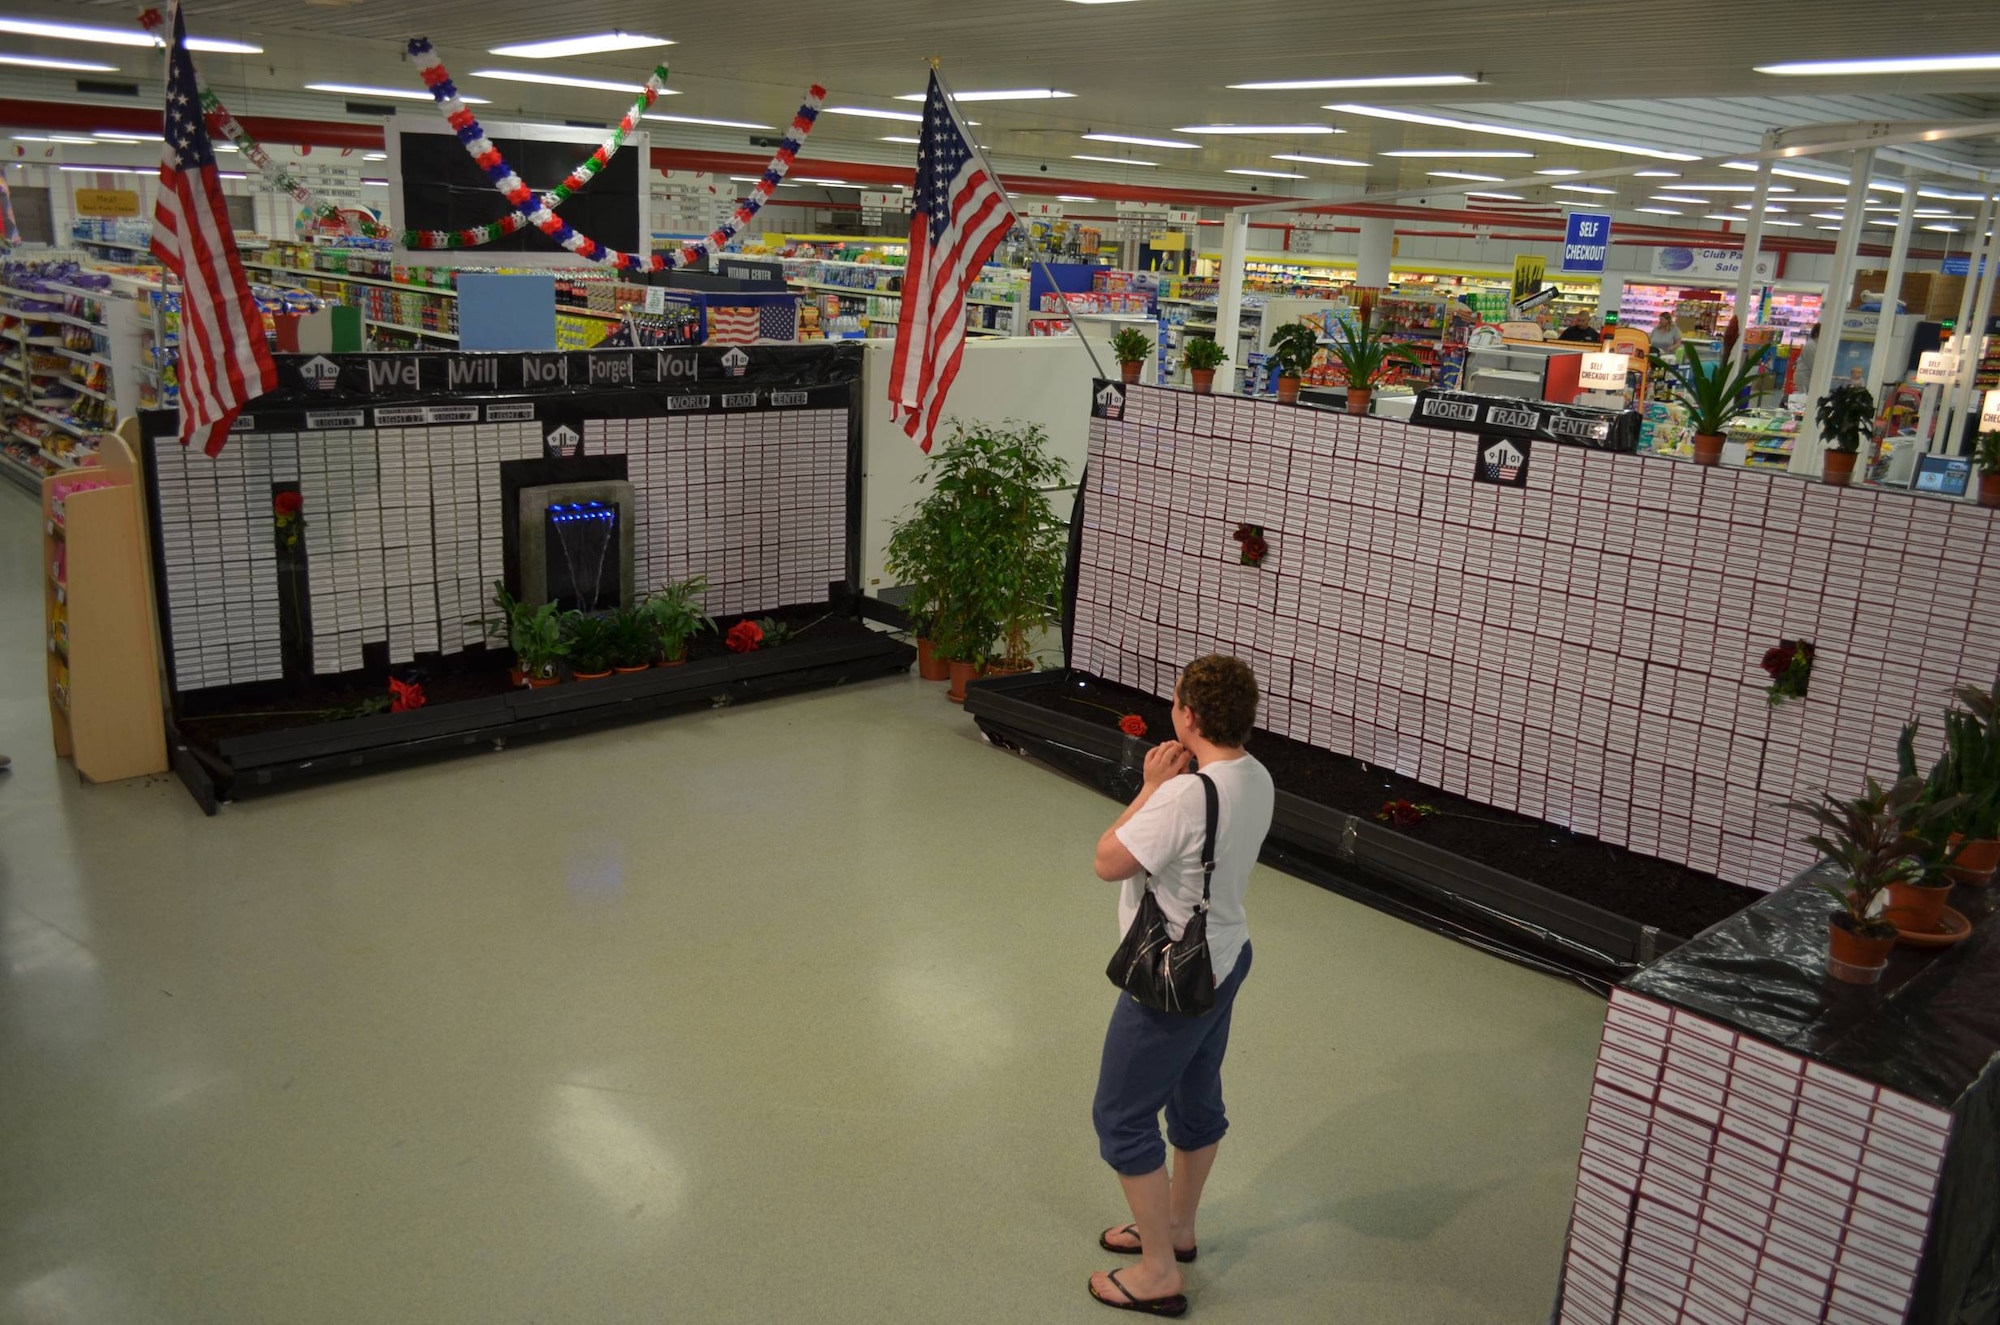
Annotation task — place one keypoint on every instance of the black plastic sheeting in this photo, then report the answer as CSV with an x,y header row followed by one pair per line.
x,y
1930,1031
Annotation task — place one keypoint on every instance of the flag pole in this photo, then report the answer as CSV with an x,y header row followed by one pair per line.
x,y
1008,203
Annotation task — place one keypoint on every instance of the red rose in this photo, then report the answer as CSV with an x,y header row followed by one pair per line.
x,y
407,695
1132,725
1778,659
744,637
287,503
1255,548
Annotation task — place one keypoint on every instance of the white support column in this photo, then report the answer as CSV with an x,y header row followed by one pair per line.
x,y
1753,238
1809,447
1938,443
1984,269
1899,254
1378,242
1229,286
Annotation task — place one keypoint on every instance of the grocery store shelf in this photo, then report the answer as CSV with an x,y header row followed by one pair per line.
x,y
992,303
81,357
378,281
67,424
414,331
858,291
23,475
112,243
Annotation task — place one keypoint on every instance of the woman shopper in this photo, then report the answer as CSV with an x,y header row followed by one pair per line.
x,y
1152,1059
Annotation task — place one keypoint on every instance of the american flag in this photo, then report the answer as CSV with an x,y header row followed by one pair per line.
x,y
773,323
224,360
961,217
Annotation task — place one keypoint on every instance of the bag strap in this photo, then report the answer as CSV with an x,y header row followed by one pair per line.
x,y
1208,840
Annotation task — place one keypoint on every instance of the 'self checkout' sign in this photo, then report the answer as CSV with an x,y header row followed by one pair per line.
x,y
1586,239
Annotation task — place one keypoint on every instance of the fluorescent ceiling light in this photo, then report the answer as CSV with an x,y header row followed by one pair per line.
x,y
127,137
1738,219
112,170
907,142
1018,94
1817,197
374,156
117,36
1129,140
1942,229
115,140
1099,2
1890,224
1509,131
1505,197
713,124
1660,211
1456,153
598,44
46,62
1816,176
1583,188
1318,160
1074,197
1111,160
564,80
1790,225
397,93
1826,227
1944,212
1731,188
1829,216
1768,207
1679,197
1560,170
225,147
869,112
826,183
1656,174
1905,64
1393,80
1267,174
1280,130
55,138
1461,174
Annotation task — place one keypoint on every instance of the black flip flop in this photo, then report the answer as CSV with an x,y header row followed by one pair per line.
x,y
1175,1305
1104,1241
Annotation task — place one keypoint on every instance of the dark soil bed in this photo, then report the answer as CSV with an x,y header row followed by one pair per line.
x,y
478,673
1655,892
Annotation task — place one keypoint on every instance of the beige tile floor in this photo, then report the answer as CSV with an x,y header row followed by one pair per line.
x,y
784,1013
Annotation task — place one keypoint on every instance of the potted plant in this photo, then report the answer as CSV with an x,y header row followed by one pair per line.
x,y
918,550
1294,346
1987,458
507,626
1712,394
1365,355
633,641
674,613
1875,840
1968,769
1130,346
1202,357
1846,418
592,641
538,643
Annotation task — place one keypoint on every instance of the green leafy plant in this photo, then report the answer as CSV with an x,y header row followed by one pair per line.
x,y
1967,770
1362,351
1987,457
982,553
1294,346
592,641
674,612
1878,838
1202,354
1130,345
1846,417
537,637
634,643
1713,394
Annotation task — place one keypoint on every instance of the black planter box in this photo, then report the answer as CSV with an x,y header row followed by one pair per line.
x,y
1392,871
249,765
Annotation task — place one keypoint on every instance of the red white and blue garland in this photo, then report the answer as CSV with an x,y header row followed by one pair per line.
x,y
539,209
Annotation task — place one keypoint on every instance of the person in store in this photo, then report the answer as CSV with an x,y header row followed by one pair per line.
x,y
1162,1060
1581,331
1802,362
1665,337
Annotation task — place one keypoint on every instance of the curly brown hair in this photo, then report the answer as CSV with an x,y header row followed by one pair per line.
x,y
1221,692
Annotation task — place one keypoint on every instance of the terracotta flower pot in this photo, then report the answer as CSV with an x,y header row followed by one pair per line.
x,y
1856,958
961,673
1129,372
1707,449
1837,468
1001,669
542,682
1989,489
516,677
1975,862
1203,380
1357,399
1915,907
590,676
929,665
627,671
1288,391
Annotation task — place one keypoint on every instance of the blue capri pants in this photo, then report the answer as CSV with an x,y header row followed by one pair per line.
x,y
1155,1060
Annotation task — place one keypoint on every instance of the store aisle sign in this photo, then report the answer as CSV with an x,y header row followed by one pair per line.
x,y
107,202
1937,367
1528,273
1712,264
1962,265
1603,372
1586,239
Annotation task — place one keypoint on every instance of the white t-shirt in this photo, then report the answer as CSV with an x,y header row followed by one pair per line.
x,y
1165,836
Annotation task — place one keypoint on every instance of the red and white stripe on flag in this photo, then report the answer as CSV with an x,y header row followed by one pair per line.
x,y
224,360
960,218
732,325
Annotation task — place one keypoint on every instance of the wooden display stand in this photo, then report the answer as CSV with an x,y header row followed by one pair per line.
x,y
104,656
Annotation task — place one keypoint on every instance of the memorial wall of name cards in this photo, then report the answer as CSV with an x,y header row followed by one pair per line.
x,y
1583,648
739,463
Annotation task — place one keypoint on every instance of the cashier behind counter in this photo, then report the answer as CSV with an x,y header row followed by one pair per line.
x,y
1580,331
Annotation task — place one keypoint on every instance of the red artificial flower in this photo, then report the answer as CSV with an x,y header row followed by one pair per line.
x,y
744,637
1777,661
287,503
1403,814
1132,725
1255,548
407,695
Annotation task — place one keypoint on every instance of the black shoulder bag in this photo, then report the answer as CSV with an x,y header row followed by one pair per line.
x,y
1164,973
